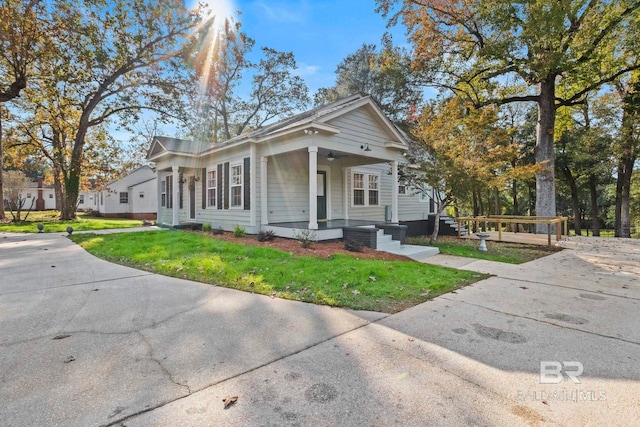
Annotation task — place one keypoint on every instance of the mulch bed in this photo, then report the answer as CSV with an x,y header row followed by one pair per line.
x,y
318,249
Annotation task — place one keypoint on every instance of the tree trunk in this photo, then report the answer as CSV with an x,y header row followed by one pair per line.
x,y
497,210
436,227
595,219
545,179
628,155
1,166
575,200
623,195
516,209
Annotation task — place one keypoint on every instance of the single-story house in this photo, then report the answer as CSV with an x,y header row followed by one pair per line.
x,y
134,196
39,196
88,200
326,170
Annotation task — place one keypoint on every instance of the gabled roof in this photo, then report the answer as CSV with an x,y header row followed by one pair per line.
x,y
163,144
316,117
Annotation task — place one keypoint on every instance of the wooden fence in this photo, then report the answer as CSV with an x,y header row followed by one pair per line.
x,y
561,223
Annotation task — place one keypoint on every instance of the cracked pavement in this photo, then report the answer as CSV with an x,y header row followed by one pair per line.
x,y
87,343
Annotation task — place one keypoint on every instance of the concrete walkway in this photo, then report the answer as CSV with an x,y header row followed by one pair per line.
x,y
87,343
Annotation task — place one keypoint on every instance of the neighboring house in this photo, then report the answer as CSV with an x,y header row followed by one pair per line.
x,y
134,196
332,167
39,196
87,200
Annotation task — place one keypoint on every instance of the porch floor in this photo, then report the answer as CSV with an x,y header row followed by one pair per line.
x,y
329,224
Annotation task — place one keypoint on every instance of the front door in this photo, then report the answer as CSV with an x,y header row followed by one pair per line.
x,y
322,195
192,197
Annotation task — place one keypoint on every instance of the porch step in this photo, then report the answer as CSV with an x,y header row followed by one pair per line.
x,y
386,243
415,252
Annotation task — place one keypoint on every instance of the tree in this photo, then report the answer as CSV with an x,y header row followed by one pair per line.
x,y
15,185
109,59
459,151
627,150
221,65
20,34
385,74
472,48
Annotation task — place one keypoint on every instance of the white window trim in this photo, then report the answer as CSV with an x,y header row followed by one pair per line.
x,y
120,197
212,203
232,186
365,182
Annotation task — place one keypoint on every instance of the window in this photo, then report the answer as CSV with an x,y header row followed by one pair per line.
x,y
169,191
236,186
402,189
141,195
163,194
101,198
51,196
366,189
212,184
28,195
373,190
422,196
80,199
358,189
124,197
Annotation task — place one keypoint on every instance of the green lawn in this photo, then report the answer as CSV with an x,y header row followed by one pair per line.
x,y
53,225
342,280
512,253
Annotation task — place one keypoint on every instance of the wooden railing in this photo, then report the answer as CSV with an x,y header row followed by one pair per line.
x,y
561,223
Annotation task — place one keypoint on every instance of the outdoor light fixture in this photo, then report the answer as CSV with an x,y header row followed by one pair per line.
x,y
331,157
40,227
365,147
69,230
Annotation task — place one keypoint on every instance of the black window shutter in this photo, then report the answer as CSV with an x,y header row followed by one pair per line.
x,y
203,177
247,184
219,190
226,185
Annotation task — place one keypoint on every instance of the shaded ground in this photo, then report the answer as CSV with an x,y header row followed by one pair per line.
x,y
84,342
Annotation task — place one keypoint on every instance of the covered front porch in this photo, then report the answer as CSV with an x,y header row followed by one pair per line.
x,y
326,230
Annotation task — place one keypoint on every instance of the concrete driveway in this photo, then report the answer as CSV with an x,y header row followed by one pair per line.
x,y
87,343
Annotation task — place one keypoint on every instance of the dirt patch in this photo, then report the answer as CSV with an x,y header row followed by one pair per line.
x,y
318,249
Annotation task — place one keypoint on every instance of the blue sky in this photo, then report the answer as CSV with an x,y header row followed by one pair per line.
x,y
320,33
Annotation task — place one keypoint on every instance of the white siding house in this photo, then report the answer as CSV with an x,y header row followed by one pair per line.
x,y
134,196
39,196
329,167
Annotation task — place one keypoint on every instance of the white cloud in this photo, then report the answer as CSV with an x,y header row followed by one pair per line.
x,y
305,70
283,12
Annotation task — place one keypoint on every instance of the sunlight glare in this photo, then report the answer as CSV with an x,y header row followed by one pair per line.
x,y
221,12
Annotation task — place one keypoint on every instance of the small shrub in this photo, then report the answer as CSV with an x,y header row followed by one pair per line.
x,y
353,245
206,228
217,231
266,235
238,231
306,238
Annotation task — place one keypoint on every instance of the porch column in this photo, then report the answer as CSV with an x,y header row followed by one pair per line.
x,y
394,192
345,192
158,199
313,188
174,196
253,183
264,207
